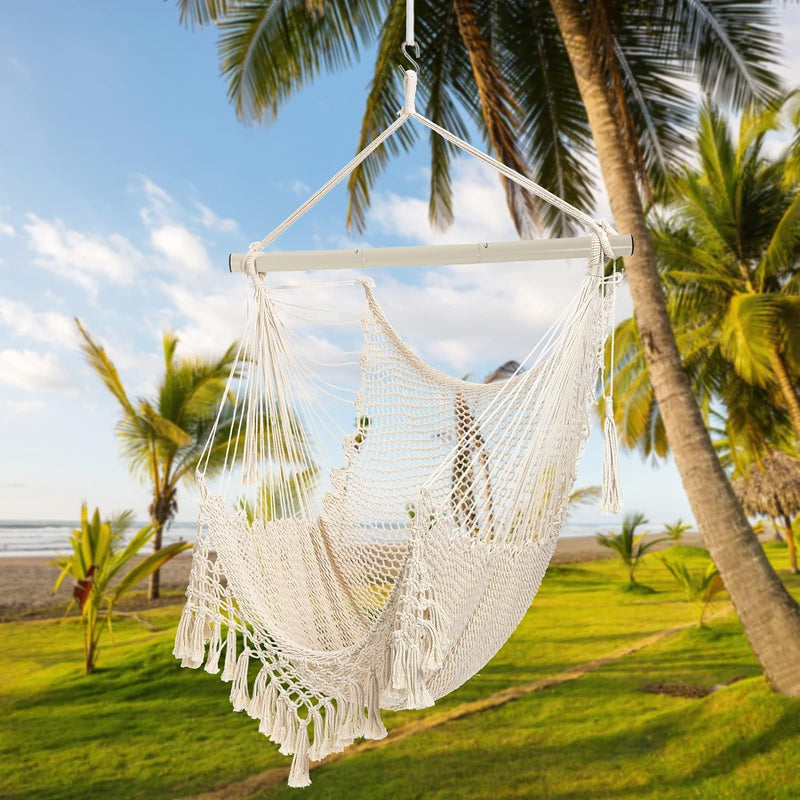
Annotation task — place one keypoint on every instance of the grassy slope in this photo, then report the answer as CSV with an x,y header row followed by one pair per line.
x,y
142,728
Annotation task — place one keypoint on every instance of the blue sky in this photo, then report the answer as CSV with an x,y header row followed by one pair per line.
x,y
125,179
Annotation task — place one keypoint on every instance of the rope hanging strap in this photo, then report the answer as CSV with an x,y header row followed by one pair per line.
x,y
599,228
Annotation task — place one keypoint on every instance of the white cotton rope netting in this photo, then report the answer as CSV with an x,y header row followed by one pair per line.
x,y
393,582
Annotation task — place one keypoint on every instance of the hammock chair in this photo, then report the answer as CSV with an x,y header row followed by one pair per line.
x,y
402,579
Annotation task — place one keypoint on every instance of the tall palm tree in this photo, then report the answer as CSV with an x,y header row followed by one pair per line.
x,y
728,246
163,436
541,80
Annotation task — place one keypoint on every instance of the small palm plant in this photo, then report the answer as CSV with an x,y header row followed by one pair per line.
x,y
629,547
675,530
98,560
287,496
700,585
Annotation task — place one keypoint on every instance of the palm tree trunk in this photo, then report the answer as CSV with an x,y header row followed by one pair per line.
x,y
792,545
154,581
778,533
788,392
769,615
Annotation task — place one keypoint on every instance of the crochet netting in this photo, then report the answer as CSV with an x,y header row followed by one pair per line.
x,y
401,579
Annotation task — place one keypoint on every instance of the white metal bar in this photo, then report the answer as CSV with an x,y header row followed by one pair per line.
x,y
479,253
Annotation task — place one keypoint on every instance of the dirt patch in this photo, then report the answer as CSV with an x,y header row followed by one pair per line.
x,y
690,691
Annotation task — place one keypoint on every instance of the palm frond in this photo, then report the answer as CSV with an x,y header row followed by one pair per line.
x,y
198,13
553,129
584,496
164,428
499,110
782,252
748,335
270,50
99,361
446,68
380,111
734,46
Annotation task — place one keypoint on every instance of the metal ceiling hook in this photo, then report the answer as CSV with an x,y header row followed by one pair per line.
x,y
412,60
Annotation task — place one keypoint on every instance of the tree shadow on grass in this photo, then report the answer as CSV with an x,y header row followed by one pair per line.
x,y
462,760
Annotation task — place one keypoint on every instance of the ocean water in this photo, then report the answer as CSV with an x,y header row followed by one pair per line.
x,y
51,537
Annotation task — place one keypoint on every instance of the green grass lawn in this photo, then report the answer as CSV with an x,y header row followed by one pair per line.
x,y
143,728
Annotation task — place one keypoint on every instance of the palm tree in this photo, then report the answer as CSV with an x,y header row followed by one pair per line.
x,y
163,436
542,80
675,530
629,546
728,245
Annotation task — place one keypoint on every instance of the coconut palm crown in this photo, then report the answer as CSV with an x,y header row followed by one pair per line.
x,y
163,436
503,69
728,245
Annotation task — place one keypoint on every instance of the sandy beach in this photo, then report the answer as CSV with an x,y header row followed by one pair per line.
x,y
26,583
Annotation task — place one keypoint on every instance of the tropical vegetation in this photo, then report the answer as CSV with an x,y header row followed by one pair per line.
x,y
675,530
541,81
701,585
163,436
598,734
771,487
728,242
100,565
627,545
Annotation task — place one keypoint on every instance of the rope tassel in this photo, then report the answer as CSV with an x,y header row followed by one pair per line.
x,y
374,729
612,492
298,774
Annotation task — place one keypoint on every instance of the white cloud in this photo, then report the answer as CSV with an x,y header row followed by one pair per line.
x,y
212,319
6,229
184,252
28,406
479,206
160,207
210,220
26,369
789,16
467,316
85,259
47,326
180,251
299,188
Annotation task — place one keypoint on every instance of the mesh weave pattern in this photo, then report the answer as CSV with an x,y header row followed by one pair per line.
x,y
402,578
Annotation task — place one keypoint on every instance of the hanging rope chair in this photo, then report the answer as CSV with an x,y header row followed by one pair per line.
x,y
400,580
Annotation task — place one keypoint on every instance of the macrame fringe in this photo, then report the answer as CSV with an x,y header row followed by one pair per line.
x,y
418,694
214,649
189,639
374,728
317,749
229,669
283,731
255,708
239,696
298,774
612,492
268,706
183,636
397,678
